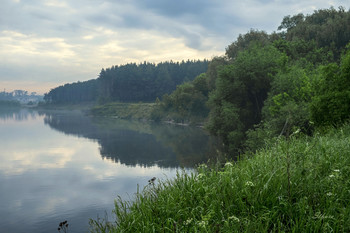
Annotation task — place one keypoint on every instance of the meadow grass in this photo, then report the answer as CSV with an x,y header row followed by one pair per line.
x,y
296,185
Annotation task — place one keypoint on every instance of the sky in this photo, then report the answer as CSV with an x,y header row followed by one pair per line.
x,y
47,43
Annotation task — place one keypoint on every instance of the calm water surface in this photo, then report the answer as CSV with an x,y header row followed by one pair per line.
x,y
58,166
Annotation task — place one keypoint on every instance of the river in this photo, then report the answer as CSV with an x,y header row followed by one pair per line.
x,y
64,165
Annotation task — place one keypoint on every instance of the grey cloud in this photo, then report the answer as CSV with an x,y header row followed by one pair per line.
x,y
191,20
203,25
177,8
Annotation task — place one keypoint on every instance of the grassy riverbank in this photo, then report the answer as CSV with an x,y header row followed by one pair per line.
x,y
124,110
300,185
84,107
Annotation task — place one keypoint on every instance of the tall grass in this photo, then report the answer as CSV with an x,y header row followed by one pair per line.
x,y
300,185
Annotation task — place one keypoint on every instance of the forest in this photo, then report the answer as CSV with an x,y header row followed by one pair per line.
x,y
265,85
131,82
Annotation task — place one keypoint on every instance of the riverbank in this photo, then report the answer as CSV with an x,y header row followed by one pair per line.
x,y
299,185
84,107
128,111
135,111
138,111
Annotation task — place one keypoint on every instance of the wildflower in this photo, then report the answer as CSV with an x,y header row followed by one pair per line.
x,y
200,176
331,176
188,221
329,194
249,183
202,223
297,131
234,218
336,170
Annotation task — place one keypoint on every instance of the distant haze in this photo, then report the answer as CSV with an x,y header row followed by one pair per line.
x,y
48,43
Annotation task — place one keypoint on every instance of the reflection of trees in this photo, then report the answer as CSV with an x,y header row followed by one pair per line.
x,y
191,145
141,143
132,147
17,114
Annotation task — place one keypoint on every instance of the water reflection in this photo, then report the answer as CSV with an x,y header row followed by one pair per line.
x,y
16,114
76,167
138,143
47,176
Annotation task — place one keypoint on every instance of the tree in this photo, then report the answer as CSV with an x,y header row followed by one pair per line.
x,y
331,104
186,104
244,41
241,88
289,22
329,28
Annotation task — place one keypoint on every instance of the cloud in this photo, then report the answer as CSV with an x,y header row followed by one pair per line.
x,y
66,41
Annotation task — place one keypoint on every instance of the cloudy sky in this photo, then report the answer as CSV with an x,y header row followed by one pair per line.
x,y
46,43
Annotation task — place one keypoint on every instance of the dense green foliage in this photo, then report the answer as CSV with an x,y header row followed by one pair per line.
x,y
241,89
73,93
186,103
129,83
268,84
328,28
331,104
298,185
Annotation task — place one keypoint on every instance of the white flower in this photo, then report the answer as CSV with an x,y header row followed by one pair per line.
x,y
249,183
329,194
202,223
200,176
297,131
234,218
331,176
188,221
336,170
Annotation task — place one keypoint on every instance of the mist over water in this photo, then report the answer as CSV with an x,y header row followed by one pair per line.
x,y
58,166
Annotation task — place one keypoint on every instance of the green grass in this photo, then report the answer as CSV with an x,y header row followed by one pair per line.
x,y
124,110
300,185
85,107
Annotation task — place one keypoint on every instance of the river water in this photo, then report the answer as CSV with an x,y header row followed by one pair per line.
x,y
58,166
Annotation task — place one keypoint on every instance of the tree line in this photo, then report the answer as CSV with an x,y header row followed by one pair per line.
x,y
129,83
